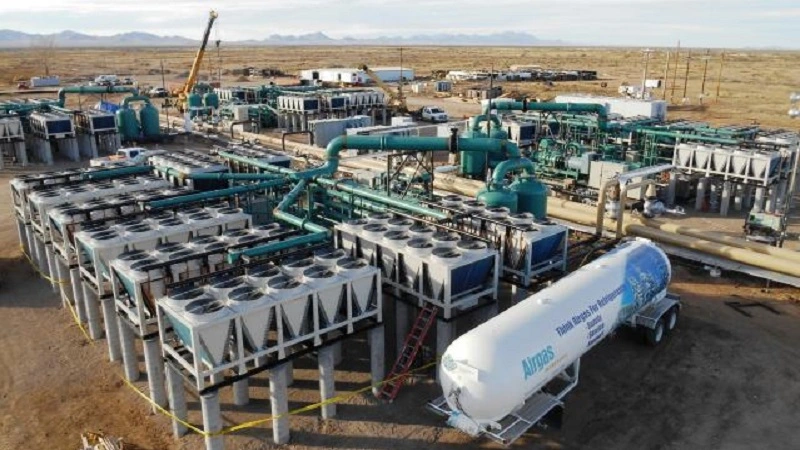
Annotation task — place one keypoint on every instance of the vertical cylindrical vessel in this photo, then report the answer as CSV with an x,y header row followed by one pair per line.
x,y
489,372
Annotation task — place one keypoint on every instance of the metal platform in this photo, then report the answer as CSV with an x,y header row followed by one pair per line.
x,y
513,426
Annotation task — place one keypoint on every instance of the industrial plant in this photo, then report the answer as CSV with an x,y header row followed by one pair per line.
x,y
234,236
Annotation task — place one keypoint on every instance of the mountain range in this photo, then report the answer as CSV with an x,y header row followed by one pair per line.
x,y
18,39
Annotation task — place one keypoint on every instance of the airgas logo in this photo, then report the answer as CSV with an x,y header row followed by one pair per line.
x,y
536,363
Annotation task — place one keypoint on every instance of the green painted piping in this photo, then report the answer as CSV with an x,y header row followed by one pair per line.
x,y
600,110
135,98
511,165
688,136
219,176
256,163
62,93
379,198
116,173
210,195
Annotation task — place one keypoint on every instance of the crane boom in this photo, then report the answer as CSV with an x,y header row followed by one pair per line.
x,y
397,99
198,59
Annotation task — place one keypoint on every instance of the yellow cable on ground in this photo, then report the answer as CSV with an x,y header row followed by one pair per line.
x,y
52,280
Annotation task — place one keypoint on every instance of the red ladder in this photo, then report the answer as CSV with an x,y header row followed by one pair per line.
x,y
411,346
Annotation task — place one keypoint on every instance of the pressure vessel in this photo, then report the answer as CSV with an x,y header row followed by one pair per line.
x,y
490,371
149,120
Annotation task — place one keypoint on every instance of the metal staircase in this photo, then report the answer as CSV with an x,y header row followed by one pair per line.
x,y
411,346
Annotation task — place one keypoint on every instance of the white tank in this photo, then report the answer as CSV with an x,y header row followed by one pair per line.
x,y
490,371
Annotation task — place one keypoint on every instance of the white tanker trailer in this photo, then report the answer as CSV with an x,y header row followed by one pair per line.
x,y
493,377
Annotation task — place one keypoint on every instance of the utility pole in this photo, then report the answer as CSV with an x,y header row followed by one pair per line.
x,y
675,75
719,75
666,76
646,52
705,72
686,77
219,64
400,85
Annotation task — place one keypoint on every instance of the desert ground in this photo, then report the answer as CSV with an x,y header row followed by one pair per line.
x,y
722,379
754,85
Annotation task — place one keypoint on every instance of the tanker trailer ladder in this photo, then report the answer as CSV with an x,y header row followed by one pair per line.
x,y
411,346
514,425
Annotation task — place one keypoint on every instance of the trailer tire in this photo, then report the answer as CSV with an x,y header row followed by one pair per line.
x,y
655,335
671,318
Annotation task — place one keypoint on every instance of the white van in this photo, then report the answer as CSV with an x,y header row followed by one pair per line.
x,y
104,80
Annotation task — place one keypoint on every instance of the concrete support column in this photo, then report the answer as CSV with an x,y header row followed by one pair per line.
x,y
747,197
782,188
22,155
212,420
77,294
154,363
41,258
445,334
702,185
241,395
337,353
759,202
51,266
377,362
63,282
327,388
402,327
31,238
177,401
725,201
672,189
738,193
279,401
217,377
772,200
289,372
92,306
130,362
112,331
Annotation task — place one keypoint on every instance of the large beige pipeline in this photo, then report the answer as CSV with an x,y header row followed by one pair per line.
x,y
742,255
714,236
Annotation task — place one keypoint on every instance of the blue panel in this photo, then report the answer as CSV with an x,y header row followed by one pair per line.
x,y
470,276
59,126
546,248
103,123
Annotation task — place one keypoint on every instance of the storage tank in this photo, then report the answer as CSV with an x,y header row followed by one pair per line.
x,y
499,197
127,125
473,164
490,371
531,196
194,100
211,100
148,117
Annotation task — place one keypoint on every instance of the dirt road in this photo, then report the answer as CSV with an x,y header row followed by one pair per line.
x,y
722,380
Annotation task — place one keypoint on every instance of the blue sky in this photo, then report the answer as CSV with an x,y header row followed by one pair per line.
x,y
697,23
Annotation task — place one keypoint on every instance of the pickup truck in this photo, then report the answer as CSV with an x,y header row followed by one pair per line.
x,y
133,156
432,114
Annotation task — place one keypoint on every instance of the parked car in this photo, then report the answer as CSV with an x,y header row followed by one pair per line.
x,y
158,92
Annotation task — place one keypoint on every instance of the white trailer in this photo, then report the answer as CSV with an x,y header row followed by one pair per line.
x,y
507,374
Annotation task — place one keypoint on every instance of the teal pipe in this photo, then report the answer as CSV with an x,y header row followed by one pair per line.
x,y
116,173
379,198
257,163
292,196
219,176
476,121
406,143
62,93
600,110
274,247
511,165
210,195
689,136
135,98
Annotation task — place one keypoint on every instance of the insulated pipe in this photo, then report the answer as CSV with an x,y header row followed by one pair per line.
x,y
62,93
210,195
732,253
379,198
511,165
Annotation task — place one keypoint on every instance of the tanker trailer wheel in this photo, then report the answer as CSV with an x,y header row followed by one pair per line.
x,y
671,318
655,335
